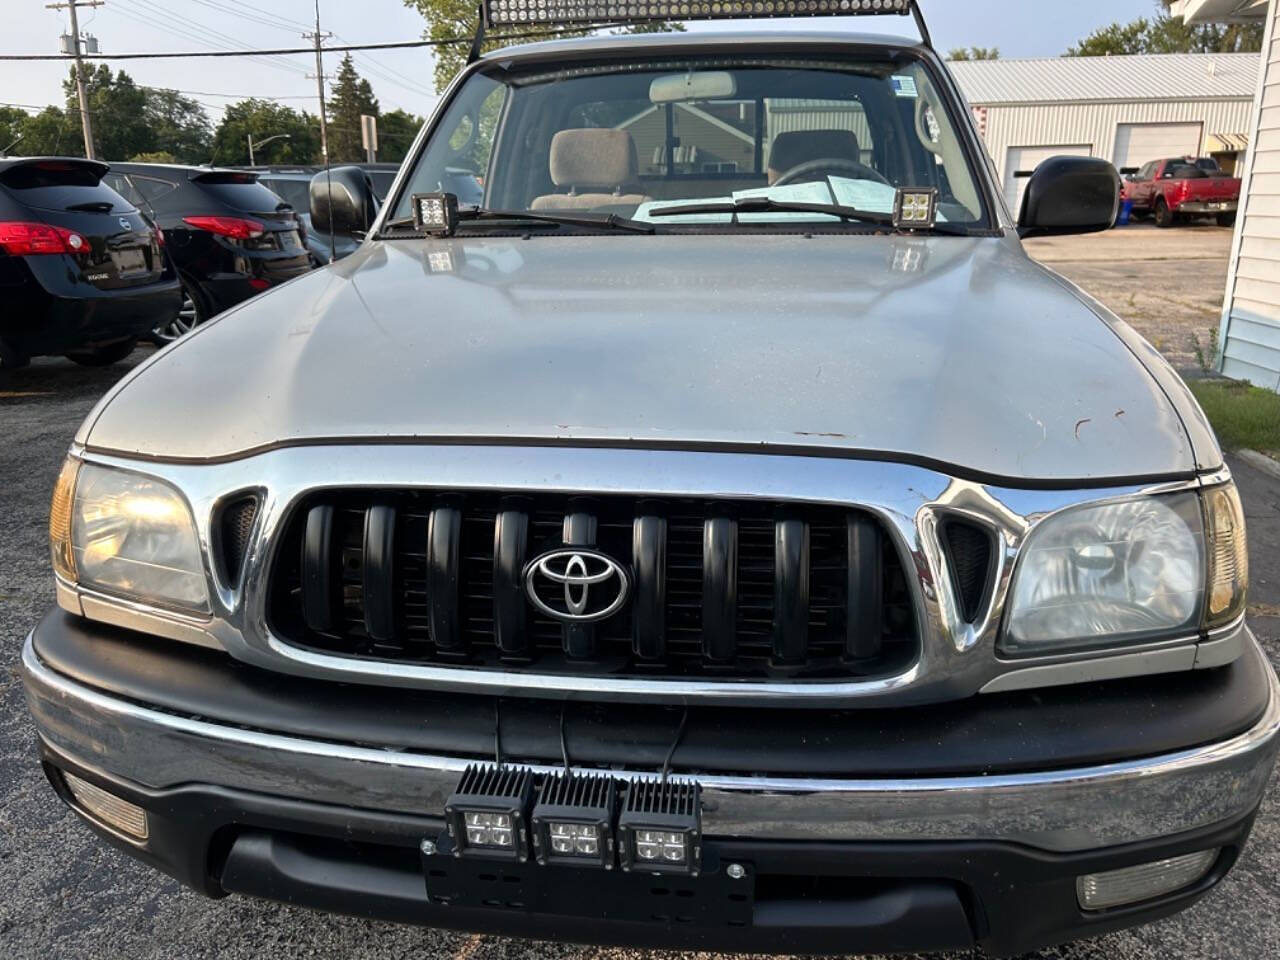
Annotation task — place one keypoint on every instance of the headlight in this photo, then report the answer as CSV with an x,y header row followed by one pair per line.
x,y
1107,574
126,534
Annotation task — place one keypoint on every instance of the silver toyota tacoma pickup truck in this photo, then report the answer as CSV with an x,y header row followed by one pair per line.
x,y
722,536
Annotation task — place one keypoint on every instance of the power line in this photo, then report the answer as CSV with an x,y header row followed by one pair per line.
x,y
153,15
288,51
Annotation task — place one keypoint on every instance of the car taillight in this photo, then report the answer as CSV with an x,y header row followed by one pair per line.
x,y
234,227
159,237
23,239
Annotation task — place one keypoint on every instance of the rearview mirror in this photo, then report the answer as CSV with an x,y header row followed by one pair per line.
x,y
342,201
1070,195
704,85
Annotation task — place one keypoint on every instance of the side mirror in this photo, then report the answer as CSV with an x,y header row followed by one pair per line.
x,y
1070,195
342,201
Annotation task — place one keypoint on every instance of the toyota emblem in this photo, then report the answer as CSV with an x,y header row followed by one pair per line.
x,y
586,585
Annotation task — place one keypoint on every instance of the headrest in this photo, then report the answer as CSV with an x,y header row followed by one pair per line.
x,y
800,146
593,158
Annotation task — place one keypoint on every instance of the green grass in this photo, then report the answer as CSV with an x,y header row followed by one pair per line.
x,y
1244,416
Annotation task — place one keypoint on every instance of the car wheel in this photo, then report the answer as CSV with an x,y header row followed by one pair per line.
x,y
192,313
1227,219
103,356
1164,216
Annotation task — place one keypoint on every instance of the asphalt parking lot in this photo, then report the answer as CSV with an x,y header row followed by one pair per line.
x,y
68,895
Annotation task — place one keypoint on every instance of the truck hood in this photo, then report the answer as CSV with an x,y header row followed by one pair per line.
x,y
952,351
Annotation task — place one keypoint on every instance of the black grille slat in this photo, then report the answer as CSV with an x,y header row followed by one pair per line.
x,y
865,589
731,589
510,547
317,569
719,588
444,543
378,572
649,572
791,591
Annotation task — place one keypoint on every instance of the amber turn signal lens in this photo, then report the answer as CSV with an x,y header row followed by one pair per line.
x,y
1228,554
64,563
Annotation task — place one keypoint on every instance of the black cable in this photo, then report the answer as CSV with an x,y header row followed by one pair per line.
x,y
342,48
564,744
497,731
666,764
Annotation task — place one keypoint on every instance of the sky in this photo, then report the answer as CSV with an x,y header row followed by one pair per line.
x,y
1020,28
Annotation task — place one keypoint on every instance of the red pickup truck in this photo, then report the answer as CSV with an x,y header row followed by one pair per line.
x,y
1173,190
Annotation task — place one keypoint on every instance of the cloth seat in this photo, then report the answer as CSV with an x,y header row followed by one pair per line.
x,y
597,168
800,146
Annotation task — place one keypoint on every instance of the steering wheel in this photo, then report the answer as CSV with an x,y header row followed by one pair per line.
x,y
828,166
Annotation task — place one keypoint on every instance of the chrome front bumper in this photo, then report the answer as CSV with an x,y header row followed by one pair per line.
x,y
1059,810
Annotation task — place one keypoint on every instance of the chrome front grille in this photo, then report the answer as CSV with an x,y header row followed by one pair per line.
x,y
730,589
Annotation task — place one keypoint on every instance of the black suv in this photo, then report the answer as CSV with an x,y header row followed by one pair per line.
x,y
293,184
229,236
82,273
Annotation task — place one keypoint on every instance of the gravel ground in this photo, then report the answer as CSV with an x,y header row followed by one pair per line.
x,y
68,895
1171,292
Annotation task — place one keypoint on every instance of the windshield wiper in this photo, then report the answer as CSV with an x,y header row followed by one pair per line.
x,y
769,205
606,221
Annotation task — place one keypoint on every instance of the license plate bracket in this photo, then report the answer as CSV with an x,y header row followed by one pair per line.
x,y
129,261
710,899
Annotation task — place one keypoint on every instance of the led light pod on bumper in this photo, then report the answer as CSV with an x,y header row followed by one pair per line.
x,y
573,820
126,534
487,813
660,827
1128,571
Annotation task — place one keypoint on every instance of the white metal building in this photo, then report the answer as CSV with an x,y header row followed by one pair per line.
x,y
1250,334
1128,109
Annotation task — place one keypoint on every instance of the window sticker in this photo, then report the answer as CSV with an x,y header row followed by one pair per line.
x,y
905,86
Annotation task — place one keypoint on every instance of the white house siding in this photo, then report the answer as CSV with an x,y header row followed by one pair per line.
x,y
1251,316
1096,124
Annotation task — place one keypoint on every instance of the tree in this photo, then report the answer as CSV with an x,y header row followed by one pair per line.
x,y
179,126
156,156
350,98
396,130
1165,34
456,20
51,133
262,119
12,122
974,53
118,108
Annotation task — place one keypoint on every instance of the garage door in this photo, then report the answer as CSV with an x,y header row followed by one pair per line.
x,y
1140,143
1025,159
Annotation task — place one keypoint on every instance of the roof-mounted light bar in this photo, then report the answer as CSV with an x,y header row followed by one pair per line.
x,y
550,12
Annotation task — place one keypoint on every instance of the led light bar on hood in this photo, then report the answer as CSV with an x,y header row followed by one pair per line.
x,y
523,12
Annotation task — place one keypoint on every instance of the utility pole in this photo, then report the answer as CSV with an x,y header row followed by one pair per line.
x,y
85,123
319,38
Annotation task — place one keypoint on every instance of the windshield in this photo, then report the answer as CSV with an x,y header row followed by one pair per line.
x,y
296,193
634,138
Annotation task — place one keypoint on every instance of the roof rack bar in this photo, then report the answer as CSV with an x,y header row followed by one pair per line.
x,y
920,23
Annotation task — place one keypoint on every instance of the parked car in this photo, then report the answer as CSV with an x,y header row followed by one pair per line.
x,y
292,183
727,538
81,272
1174,190
228,236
